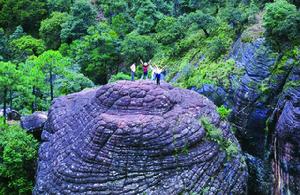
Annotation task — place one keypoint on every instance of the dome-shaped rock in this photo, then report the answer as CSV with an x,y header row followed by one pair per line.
x,y
136,138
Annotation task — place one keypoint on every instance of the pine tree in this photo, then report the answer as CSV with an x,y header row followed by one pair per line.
x,y
9,81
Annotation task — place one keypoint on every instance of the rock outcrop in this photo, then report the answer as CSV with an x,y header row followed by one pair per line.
x,y
136,138
34,123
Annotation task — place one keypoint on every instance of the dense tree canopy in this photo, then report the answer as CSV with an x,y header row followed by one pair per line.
x,y
27,13
82,16
26,46
9,81
4,52
282,22
136,47
97,53
204,21
51,28
59,5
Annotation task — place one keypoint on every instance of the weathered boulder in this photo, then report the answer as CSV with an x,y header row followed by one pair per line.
x,y
135,138
11,114
34,123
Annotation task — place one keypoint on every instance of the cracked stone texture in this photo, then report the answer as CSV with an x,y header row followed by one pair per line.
x,y
249,111
135,138
286,119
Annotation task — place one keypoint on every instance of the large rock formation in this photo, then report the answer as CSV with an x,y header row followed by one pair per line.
x,y
136,138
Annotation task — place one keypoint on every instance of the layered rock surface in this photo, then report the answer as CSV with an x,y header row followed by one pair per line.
x,y
286,138
269,94
135,138
250,110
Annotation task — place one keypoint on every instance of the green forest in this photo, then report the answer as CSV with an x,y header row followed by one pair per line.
x,y
52,48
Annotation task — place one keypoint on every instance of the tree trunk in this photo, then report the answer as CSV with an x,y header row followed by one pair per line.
x,y
205,32
4,105
51,84
217,10
175,8
10,99
33,106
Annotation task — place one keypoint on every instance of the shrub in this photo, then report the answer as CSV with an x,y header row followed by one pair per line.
x,y
216,48
217,73
18,152
223,112
119,76
282,23
214,134
231,149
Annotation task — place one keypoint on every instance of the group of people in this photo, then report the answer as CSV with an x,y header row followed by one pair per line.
x,y
157,72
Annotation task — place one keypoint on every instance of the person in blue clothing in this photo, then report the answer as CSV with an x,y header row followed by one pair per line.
x,y
158,71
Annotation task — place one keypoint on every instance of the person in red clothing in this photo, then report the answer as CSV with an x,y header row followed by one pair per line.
x,y
146,66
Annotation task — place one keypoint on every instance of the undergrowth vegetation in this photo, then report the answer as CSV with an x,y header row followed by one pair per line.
x,y
214,134
223,112
18,154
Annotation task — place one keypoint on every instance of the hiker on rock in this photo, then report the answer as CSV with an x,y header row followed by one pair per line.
x,y
158,72
133,69
146,66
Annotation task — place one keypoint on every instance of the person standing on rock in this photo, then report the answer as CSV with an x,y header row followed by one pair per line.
x,y
158,72
145,69
133,69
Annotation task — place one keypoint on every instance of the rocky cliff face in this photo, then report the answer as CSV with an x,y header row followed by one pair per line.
x,y
286,137
135,138
250,109
265,111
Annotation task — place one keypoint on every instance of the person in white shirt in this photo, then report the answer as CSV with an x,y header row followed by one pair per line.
x,y
133,69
